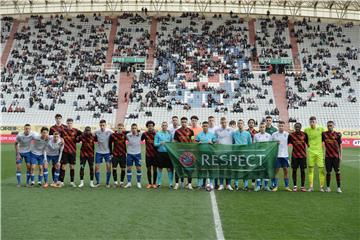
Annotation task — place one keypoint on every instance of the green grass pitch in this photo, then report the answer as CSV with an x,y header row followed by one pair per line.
x,y
73,213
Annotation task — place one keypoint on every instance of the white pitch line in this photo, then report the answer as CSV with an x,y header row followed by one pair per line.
x,y
217,221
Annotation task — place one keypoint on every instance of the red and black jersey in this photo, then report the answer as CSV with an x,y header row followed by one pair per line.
x,y
87,145
332,142
184,135
149,137
119,140
299,141
252,132
70,137
57,128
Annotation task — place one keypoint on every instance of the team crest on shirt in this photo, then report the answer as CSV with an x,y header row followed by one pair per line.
x,y
187,159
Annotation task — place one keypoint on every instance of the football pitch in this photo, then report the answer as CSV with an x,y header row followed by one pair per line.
x,y
101,213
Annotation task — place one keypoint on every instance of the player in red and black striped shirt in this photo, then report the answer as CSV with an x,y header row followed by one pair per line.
x,y
333,153
251,129
69,134
58,127
149,137
118,152
299,141
87,140
183,134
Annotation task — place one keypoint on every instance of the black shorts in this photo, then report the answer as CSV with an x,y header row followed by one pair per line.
x,y
331,163
90,160
68,158
150,161
298,162
164,160
120,160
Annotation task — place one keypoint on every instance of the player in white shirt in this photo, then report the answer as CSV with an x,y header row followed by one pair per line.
x,y
54,151
262,136
133,155
37,149
103,152
224,136
175,125
22,149
282,160
212,127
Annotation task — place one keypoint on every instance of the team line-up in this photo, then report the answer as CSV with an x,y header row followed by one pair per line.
x,y
57,147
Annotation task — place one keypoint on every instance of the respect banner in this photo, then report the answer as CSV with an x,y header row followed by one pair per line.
x,y
223,161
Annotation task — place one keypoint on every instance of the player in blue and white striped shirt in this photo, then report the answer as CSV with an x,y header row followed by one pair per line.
x,y
54,151
37,148
262,136
103,152
22,149
133,155
282,160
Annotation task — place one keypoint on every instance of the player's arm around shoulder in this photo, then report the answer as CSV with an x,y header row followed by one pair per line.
x,y
339,136
250,140
157,140
16,144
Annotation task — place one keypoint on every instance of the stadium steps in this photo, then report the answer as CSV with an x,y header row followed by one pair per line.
x,y
294,47
110,49
252,40
124,86
9,42
150,60
279,91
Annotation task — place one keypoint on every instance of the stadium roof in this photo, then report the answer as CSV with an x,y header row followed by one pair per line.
x,y
342,9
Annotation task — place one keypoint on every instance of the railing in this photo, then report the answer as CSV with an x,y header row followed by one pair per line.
x,y
302,9
288,68
293,69
138,66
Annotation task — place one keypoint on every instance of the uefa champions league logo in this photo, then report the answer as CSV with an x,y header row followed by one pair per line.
x,y
187,159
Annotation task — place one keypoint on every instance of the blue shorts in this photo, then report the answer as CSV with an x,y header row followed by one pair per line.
x,y
131,158
26,156
53,159
37,159
282,163
100,156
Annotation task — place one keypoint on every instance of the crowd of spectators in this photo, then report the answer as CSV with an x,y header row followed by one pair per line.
x,y
6,24
329,63
271,37
57,55
191,47
133,37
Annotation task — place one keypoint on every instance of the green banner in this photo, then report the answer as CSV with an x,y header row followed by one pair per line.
x,y
128,60
275,60
223,161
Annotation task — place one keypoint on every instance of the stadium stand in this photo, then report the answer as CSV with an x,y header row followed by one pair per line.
x,y
199,61
272,36
6,26
330,61
195,65
132,38
9,27
56,65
